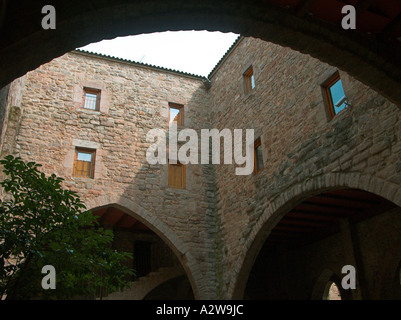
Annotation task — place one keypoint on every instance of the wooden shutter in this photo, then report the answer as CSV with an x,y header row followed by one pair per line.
x,y
176,175
84,168
257,155
248,77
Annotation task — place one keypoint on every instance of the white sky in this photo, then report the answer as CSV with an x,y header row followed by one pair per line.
x,y
195,52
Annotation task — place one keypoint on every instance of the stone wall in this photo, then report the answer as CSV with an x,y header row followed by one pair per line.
x,y
10,113
304,152
134,99
218,224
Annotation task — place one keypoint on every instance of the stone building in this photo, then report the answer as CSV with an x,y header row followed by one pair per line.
x,y
324,194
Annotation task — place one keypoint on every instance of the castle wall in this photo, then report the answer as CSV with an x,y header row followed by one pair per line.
x,y
304,152
134,100
217,225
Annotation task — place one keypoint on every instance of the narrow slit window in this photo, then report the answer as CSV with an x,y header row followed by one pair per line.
x,y
91,99
249,79
84,163
176,114
176,175
335,96
258,156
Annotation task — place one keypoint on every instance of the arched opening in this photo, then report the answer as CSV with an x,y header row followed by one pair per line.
x,y
368,53
332,292
173,289
152,258
326,231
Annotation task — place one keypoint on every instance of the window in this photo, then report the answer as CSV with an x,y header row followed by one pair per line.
x,y
258,157
335,95
176,114
176,175
91,99
249,79
84,163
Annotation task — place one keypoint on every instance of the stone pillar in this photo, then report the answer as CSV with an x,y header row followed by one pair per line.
x,y
352,257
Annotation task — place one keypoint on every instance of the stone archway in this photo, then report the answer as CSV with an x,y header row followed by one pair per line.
x,y
368,58
189,264
286,201
321,286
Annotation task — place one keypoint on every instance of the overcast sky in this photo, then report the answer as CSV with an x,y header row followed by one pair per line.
x,y
195,52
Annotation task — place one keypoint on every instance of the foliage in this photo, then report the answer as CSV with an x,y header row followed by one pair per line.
x,y
43,224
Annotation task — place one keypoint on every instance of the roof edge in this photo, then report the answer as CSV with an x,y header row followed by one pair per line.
x,y
139,64
225,56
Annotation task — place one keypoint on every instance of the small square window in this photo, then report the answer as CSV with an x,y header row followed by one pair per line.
x,y
84,163
335,95
176,114
91,99
258,156
249,79
176,175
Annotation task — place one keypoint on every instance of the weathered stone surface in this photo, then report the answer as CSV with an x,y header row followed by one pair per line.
x,y
300,143
218,224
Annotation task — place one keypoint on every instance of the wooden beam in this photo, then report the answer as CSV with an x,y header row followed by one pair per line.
x,y
303,7
362,5
281,234
312,216
391,27
105,215
132,228
122,218
307,223
3,9
298,229
340,202
340,211
355,194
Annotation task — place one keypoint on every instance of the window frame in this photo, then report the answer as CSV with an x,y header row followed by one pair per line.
x,y
93,91
248,76
257,143
328,96
91,173
183,175
180,120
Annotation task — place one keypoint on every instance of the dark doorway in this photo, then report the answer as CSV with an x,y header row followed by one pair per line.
x,y
142,258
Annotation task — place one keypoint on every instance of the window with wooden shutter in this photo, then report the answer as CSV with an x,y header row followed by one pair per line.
x,y
336,99
176,175
249,79
84,163
258,157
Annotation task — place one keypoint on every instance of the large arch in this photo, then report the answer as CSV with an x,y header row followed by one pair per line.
x,y
320,287
369,55
180,249
294,195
